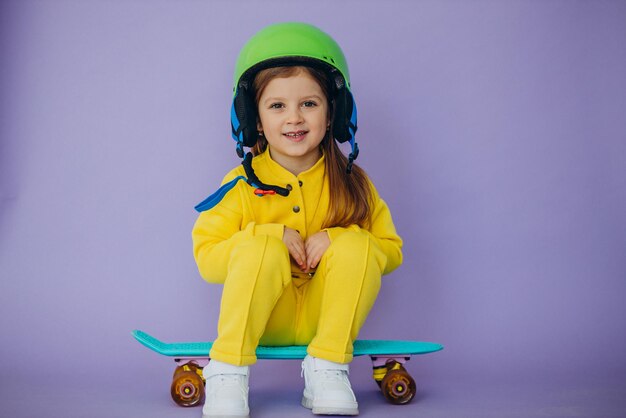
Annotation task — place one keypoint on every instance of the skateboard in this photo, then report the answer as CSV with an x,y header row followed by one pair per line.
x,y
388,359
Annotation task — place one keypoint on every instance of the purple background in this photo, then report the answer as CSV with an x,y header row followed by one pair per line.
x,y
496,132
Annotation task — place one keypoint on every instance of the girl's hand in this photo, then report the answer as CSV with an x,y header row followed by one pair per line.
x,y
295,245
315,246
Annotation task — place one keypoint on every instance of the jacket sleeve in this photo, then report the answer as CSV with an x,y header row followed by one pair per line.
x,y
382,231
218,230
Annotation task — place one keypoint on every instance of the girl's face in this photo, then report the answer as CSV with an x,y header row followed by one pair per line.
x,y
293,116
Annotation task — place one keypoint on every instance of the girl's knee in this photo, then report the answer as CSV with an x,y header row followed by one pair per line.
x,y
260,255
354,249
263,247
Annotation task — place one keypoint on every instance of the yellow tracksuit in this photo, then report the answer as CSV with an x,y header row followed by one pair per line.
x,y
266,298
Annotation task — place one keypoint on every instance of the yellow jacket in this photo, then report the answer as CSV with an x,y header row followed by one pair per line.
x,y
241,214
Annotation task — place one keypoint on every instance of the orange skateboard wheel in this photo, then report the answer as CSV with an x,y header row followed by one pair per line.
x,y
398,387
187,386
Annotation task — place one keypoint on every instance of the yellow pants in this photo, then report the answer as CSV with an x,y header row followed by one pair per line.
x,y
264,302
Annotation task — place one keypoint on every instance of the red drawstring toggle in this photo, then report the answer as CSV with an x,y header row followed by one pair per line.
x,y
262,193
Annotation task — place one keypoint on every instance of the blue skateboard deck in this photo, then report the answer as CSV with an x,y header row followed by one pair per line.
x,y
361,348
388,359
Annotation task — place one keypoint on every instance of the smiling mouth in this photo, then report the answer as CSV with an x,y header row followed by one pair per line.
x,y
294,136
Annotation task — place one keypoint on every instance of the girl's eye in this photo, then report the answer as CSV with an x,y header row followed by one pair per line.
x,y
276,105
309,103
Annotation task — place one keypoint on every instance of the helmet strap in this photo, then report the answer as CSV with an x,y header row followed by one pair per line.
x,y
254,181
353,156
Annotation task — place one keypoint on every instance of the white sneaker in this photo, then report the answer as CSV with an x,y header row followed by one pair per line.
x,y
327,390
226,390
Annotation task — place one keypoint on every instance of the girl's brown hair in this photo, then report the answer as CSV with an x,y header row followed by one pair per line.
x,y
351,196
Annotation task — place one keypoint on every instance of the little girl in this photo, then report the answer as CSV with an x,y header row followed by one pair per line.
x,y
301,256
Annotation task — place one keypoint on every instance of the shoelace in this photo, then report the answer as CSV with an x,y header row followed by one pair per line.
x,y
329,374
229,379
332,378
337,375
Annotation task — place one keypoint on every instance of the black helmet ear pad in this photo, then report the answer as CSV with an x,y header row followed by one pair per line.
x,y
244,118
343,115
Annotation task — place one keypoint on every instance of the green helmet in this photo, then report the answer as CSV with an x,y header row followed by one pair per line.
x,y
289,44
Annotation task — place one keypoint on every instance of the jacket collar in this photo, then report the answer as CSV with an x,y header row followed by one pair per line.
x,y
280,174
